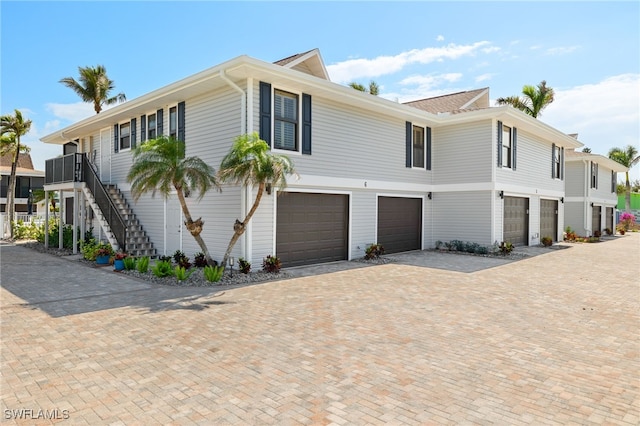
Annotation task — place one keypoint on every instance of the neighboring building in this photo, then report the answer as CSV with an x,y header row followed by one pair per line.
x,y
591,198
27,180
370,170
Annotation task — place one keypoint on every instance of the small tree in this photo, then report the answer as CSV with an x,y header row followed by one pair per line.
x,y
628,157
374,88
250,162
160,165
94,86
533,101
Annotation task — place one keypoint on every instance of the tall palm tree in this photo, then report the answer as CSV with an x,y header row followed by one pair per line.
x,y
373,88
249,162
628,157
13,126
159,165
533,101
94,86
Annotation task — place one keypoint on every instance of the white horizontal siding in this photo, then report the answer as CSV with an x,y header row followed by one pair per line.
x,y
462,153
149,211
464,216
574,216
602,194
575,178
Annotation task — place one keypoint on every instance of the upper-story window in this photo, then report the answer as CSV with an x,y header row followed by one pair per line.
x,y
151,126
556,162
173,122
125,136
285,121
614,181
506,146
594,175
418,147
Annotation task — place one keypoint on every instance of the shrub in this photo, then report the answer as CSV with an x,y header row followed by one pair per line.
x,y
165,259
608,231
457,245
482,250
213,274
244,265
271,264
181,273
597,234
120,255
181,259
627,220
88,249
104,249
129,263
506,247
546,241
162,269
373,251
26,231
439,245
199,260
471,247
142,265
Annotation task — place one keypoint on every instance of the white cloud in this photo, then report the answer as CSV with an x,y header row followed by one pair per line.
x,y
71,112
440,38
353,69
484,77
561,50
604,114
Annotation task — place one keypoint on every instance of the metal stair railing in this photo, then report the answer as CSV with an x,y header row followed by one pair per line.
x,y
104,202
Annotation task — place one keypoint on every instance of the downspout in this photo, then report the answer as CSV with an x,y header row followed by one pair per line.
x,y
587,181
246,191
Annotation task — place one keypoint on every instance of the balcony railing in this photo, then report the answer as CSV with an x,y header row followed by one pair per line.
x,y
76,168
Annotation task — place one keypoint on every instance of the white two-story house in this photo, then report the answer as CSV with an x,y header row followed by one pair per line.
x,y
370,170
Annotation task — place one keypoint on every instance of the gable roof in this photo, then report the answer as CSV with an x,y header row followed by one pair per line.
x,y
25,165
571,155
454,102
309,62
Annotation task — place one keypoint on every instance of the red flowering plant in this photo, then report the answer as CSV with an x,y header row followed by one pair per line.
x,y
120,255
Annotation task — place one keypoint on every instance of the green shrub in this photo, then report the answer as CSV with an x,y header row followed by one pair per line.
x,y
439,245
129,263
162,269
26,231
457,245
181,273
244,265
546,241
142,265
271,264
88,249
213,274
506,247
481,250
373,251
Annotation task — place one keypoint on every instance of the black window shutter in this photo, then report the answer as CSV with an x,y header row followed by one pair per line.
x,y
428,148
133,132
306,124
562,163
160,122
181,116
409,131
499,143
596,171
265,112
116,142
143,128
553,161
514,149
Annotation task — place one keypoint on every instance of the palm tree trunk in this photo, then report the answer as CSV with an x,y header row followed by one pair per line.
x,y
627,194
11,191
240,227
195,228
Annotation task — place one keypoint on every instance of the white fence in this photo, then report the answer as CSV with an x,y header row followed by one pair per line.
x,y
26,218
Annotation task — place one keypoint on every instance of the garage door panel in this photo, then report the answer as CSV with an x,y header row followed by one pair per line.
x,y
516,220
311,228
549,219
399,223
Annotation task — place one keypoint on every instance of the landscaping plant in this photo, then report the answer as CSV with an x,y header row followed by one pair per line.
x,y
213,274
142,265
373,251
162,269
271,264
244,265
181,273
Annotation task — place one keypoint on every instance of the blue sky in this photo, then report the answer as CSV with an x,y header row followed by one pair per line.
x,y
589,52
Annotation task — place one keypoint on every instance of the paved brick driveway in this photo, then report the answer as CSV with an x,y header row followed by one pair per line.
x,y
552,339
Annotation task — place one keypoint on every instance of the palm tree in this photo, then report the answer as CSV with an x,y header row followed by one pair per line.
x,y
12,127
533,101
94,86
628,157
249,162
373,89
159,165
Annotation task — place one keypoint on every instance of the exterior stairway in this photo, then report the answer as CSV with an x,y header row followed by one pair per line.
x,y
138,242
104,224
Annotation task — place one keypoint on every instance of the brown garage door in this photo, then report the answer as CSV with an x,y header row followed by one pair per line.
x,y
549,219
516,220
610,218
596,224
399,224
311,228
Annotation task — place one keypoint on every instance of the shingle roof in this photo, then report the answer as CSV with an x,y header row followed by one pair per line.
x,y
454,102
291,58
24,161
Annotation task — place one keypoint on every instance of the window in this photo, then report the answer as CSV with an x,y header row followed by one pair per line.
x,y
506,146
614,181
151,126
556,162
594,175
285,121
173,122
125,136
418,146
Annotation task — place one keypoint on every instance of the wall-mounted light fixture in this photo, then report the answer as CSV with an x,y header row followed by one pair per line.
x,y
501,193
269,188
592,204
562,200
430,195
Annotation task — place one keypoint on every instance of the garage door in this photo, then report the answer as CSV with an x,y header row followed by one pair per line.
x,y
516,220
399,224
549,219
311,228
610,218
596,224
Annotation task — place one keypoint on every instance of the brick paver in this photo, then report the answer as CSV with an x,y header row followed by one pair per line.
x,y
552,339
